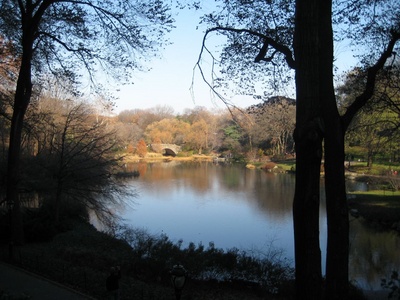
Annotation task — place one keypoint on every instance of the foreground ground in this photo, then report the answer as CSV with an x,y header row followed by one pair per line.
x,y
17,283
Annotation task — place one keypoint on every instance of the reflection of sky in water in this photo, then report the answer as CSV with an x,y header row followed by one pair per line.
x,y
248,209
216,215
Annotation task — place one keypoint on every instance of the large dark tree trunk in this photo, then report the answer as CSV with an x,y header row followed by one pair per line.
x,y
22,97
21,101
337,212
13,178
308,138
317,118
336,205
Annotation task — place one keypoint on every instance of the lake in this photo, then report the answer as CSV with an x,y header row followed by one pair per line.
x,y
251,210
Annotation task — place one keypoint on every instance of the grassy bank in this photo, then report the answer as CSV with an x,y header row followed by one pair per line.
x,y
381,208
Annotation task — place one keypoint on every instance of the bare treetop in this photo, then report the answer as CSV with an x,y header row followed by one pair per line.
x,y
69,37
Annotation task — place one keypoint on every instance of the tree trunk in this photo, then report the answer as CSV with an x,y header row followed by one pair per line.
x,y
336,205
370,156
22,98
13,163
308,138
337,213
306,214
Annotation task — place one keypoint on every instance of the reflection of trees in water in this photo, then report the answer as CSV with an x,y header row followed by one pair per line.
x,y
132,167
373,254
274,193
196,174
271,193
142,168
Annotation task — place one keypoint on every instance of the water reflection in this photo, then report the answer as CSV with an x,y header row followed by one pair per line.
x,y
258,188
250,209
373,254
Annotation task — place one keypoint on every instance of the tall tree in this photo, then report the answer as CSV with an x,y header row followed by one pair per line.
x,y
67,37
198,135
74,163
141,148
299,35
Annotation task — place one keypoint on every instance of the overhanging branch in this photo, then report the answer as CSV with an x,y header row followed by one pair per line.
x,y
267,41
372,72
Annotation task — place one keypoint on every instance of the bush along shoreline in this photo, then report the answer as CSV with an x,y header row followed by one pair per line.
x,y
80,257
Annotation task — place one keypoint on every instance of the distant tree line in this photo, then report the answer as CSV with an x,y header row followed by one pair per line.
x,y
263,129
267,128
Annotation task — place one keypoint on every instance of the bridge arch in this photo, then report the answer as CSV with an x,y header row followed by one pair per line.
x,y
166,149
169,152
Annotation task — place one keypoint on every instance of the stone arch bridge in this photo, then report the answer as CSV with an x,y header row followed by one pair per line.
x,y
166,149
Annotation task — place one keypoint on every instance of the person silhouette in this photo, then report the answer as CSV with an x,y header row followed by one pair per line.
x,y
112,283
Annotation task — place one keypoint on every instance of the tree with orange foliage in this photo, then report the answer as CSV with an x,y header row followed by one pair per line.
x,y
130,148
141,148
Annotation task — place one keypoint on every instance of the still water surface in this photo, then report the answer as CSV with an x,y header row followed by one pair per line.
x,y
232,206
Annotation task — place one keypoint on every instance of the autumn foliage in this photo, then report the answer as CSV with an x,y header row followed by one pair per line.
x,y
141,148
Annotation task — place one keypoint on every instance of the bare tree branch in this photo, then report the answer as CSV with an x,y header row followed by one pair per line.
x,y
267,41
372,72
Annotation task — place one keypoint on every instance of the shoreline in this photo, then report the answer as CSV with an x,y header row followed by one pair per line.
x,y
155,157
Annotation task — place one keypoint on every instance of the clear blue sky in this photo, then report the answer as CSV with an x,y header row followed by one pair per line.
x,y
170,78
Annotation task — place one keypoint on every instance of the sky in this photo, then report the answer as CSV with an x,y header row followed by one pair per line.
x,y
170,78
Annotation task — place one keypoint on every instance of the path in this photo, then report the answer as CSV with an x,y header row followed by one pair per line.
x,y
19,282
